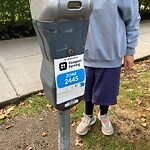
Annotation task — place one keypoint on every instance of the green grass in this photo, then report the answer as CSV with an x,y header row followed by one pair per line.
x,y
31,105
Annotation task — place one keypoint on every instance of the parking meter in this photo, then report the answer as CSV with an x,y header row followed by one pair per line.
x,y
61,27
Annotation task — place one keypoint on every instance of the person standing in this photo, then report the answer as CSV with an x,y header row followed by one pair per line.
x,y
112,36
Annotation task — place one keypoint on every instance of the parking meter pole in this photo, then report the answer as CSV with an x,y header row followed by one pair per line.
x,y
64,130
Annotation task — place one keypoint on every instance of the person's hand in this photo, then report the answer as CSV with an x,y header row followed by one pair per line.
x,y
128,61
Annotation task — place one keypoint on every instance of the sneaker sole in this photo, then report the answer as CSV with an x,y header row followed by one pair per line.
x,y
84,133
108,134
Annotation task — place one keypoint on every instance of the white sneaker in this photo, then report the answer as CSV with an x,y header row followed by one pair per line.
x,y
82,128
107,128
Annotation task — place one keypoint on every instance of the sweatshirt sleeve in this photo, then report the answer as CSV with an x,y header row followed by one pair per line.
x,y
129,10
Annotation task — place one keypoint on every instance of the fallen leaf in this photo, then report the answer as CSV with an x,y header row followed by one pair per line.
x,y
144,124
143,120
30,101
8,116
2,116
44,134
41,119
40,94
9,126
133,142
140,116
21,104
148,109
139,87
48,105
78,142
6,113
1,111
10,109
74,108
143,115
54,110
73,124
51,107
139,102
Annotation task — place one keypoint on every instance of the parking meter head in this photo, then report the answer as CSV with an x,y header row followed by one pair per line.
x,y
61,27
54,10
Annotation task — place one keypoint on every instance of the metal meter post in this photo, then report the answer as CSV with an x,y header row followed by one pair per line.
x,y
64,130
61,27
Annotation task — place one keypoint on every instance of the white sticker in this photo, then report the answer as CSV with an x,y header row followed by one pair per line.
x,y
74,101
69,77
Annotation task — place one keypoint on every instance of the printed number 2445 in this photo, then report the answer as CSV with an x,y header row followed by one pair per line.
x,y
71,80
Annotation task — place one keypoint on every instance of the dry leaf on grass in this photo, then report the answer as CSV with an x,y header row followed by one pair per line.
x,y
144,124
51,107
9,126
48,106
143,120
148,109
44,134
5,115
30,101
2,116
41,119
21,104
10,109
78,142
40,94
1,111
143,115
73,124
140,115
139,102
132,141
74,108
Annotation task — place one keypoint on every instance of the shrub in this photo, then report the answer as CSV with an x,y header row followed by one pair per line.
x,y
14,13
144,9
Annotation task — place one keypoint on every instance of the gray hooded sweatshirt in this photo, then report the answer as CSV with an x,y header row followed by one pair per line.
x,y
113,32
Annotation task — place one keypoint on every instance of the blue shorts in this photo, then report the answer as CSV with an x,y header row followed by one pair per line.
x,y
102,85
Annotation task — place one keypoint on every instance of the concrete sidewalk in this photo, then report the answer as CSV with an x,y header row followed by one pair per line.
x,y
20,62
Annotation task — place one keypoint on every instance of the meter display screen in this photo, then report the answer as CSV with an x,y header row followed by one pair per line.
x,y
74,5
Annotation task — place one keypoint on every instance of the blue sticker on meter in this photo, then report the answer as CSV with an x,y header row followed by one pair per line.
x,y
70,78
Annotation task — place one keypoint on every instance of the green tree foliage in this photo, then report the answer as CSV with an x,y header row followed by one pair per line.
x,y
14,13
144,9
145,4
17,13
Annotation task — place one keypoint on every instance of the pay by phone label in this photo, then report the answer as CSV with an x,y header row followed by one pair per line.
x,y
69,78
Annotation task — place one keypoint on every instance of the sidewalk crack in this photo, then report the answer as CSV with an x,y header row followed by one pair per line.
x,y
17,94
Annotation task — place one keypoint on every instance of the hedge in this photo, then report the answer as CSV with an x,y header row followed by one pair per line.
x,y
16,13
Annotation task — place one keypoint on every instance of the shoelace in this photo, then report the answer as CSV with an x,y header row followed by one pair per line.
x,y
85,120
105,122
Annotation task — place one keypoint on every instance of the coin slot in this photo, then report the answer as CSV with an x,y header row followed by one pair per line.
x,y
74,5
